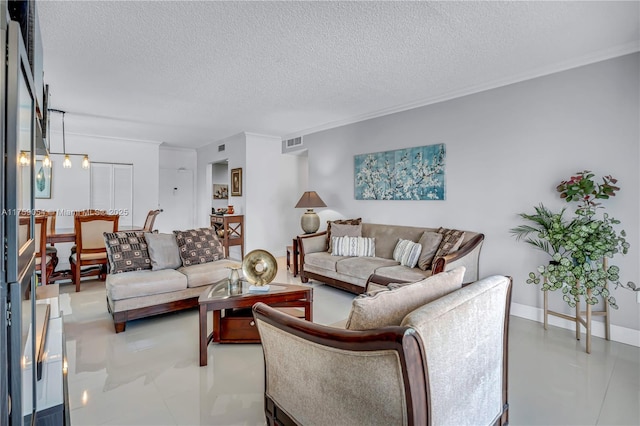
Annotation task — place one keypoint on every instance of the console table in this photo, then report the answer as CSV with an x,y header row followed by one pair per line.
x,y
230,229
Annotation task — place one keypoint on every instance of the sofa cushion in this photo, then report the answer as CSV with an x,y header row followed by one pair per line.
x,y
163,251
356,221
323,260
407,253
362,267
126,251
388,308
199,246
144,283
353,246
207,273
430,241
451,241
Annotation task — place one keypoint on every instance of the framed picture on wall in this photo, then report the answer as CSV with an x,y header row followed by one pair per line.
x,y
236,182
220,192
43,180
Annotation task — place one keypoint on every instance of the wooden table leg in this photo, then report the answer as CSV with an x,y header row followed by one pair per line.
x,y
203,334
217,325
295,257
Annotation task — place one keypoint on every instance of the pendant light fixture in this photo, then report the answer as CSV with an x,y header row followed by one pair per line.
x,y
46,162
67,161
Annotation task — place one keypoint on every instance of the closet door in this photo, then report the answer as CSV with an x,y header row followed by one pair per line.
x,y
101,186
112,190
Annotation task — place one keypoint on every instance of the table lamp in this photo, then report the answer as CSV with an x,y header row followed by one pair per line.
x,y
310,221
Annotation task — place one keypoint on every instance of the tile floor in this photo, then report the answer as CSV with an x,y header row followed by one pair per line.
x,y
149,375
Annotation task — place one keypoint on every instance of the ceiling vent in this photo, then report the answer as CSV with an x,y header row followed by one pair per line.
x,y
220,148
292,143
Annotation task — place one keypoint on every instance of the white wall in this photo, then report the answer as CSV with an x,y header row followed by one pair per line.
x,y
272,191
507,149
71,187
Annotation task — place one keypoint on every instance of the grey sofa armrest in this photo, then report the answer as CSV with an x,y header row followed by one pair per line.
x,y
468,256
381,369
312,243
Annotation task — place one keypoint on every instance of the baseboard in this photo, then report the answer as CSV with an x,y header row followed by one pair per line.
x,y
620,334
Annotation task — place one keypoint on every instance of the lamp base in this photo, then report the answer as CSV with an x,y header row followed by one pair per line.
x,y
310,222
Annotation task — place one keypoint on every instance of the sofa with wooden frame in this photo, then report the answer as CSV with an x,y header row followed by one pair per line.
x,y
444,362
163,281
352,273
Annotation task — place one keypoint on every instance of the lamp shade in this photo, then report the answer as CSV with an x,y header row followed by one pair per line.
x,y
309,200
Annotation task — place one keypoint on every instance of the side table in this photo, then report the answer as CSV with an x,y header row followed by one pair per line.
x,y
296,257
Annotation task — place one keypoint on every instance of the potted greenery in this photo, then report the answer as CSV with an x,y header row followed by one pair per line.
x,y
580,246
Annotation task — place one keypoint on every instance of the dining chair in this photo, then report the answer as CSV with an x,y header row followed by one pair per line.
x,y
86,212
51,230
90,247
149,221
44,262
89,212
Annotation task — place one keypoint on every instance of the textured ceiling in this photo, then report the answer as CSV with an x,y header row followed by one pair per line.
x,y
189,73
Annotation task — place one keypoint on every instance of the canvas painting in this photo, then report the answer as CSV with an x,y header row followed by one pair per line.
x,y
43,180
402,174
220,192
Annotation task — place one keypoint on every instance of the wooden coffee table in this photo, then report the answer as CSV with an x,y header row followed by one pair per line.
x,y
232,316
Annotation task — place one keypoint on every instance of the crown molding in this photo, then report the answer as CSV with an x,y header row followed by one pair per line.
x,y
592,58
88,135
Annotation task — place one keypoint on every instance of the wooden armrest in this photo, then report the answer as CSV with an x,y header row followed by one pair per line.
x,y
316,234
390,338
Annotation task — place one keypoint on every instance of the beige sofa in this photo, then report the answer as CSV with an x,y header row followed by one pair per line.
x,y
429,353
352,273
164,281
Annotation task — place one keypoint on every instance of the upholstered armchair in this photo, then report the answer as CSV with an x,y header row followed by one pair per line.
x,y
444,364
44,261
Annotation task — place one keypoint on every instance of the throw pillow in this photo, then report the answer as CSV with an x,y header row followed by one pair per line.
x,y
340,230
126,251
451,241
430,241
357,221
353,246
198,246
407,253
163,251
387,308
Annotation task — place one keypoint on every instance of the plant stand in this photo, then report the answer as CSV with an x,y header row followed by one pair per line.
x,y
582,317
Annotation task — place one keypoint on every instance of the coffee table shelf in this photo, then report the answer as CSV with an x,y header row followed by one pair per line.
x,y
231,311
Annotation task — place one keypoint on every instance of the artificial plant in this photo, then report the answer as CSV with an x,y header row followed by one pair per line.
x,y
578,245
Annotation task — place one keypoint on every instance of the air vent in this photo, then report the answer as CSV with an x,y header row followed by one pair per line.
x,y
294,142
220,148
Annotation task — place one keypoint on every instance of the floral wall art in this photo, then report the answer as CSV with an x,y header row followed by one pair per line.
x,y
402,174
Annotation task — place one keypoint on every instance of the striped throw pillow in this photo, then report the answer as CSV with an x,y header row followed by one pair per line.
x,y
353,246
407,253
